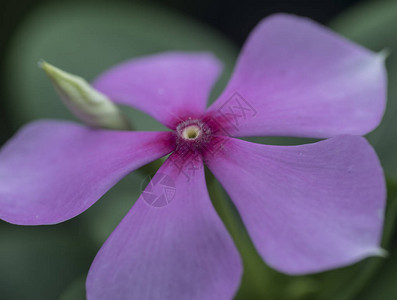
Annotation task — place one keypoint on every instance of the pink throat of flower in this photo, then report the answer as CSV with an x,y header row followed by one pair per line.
x,y
192,134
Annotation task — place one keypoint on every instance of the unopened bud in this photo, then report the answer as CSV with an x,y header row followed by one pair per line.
x,y
85,102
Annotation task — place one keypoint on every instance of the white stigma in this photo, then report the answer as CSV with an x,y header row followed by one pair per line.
x,y
191,132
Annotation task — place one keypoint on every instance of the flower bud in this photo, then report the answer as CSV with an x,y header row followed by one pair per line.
x,y
86,103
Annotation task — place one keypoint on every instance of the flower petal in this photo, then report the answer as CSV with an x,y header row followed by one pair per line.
x,y
52,171
178,251
296,78
166,86
307,208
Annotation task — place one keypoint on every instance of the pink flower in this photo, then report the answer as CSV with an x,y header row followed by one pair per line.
x,y
307,208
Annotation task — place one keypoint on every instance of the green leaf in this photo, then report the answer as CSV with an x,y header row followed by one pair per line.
x,y
88,38
76,290
39,262
373,25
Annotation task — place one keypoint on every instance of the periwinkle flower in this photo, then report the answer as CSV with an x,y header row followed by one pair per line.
x,y
307,208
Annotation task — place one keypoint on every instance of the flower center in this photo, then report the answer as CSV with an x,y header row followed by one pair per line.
x,y
191,132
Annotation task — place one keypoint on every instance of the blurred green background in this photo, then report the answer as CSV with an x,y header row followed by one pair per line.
x,y
86,37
